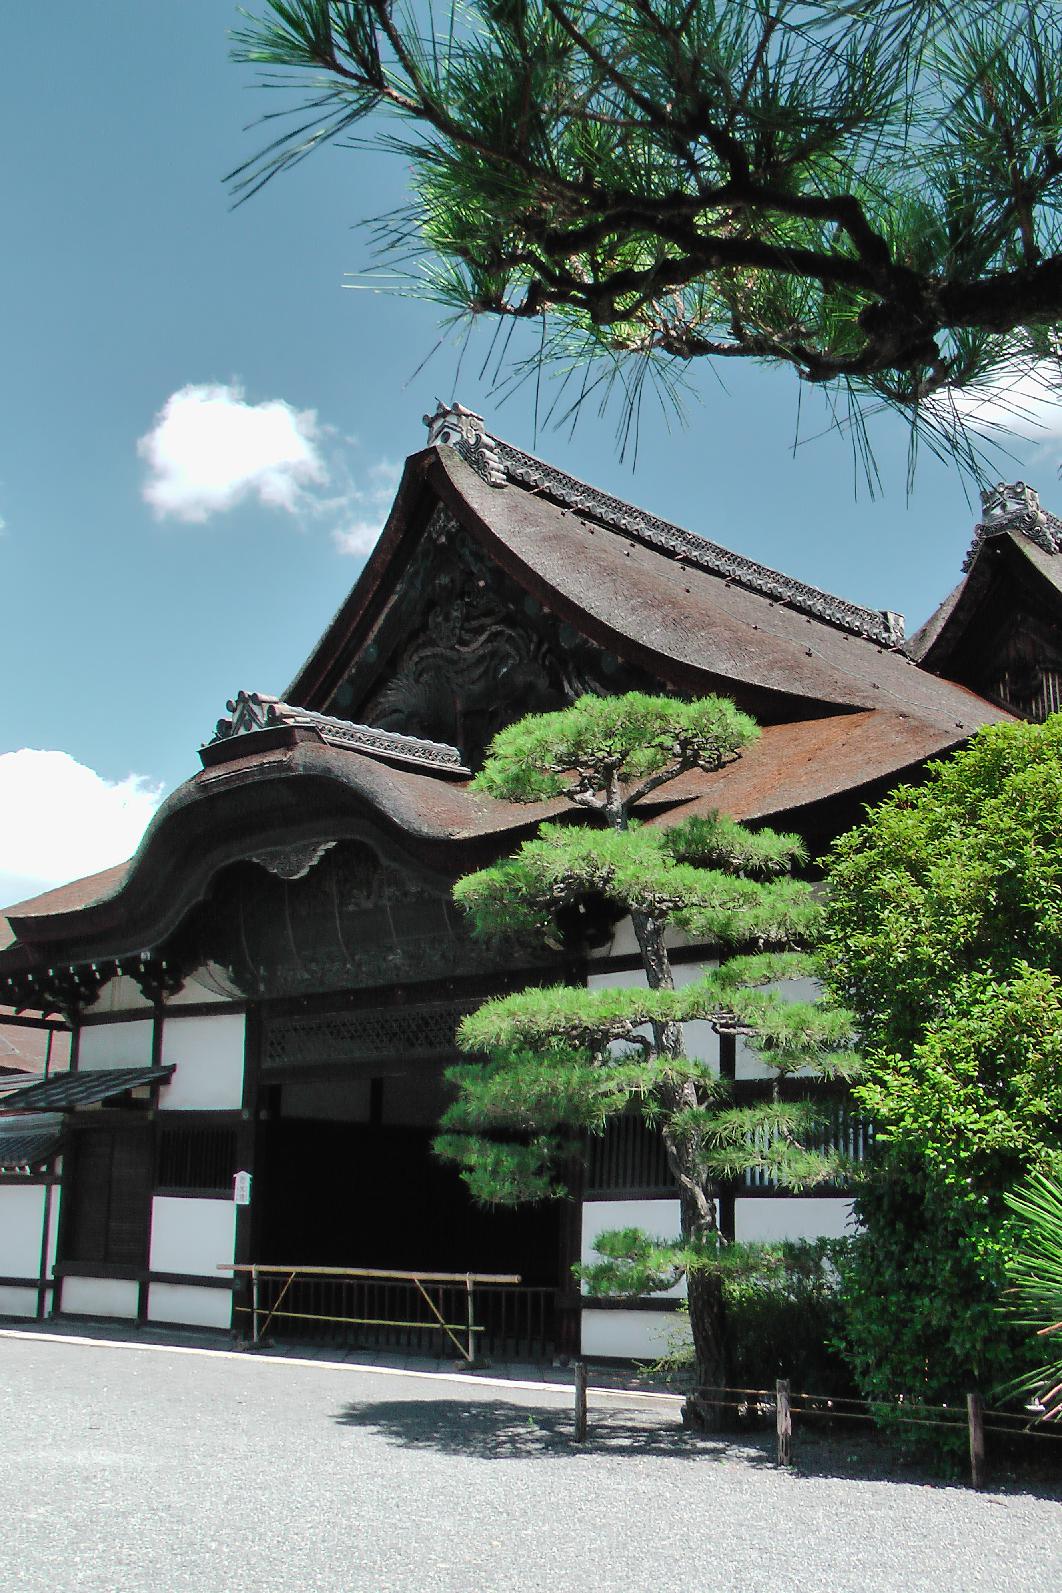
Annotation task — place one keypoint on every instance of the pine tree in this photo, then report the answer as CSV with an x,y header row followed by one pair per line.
x,y
553,1064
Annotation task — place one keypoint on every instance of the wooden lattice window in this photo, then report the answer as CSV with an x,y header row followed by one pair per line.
x,y
627,1157
108,1204
198,1156
845,1131
363,1035
1029,690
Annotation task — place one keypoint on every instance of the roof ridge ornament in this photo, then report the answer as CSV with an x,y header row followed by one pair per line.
x,y
250,710
254,711
1014,506
466,431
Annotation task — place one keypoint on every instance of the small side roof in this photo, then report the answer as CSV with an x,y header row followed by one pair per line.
x,y
63,898
66,1090
29,1141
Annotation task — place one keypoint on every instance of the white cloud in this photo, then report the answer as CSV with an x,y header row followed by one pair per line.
x,y
1024,401
209,450
368,507
359,538
60,820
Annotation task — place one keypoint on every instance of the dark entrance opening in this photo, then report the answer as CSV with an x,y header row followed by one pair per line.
x,y
346,1177
373,1195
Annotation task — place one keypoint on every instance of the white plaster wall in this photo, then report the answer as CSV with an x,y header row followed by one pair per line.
x,y
120,994
659,1218
208,1053
100,1296
189,1235
61,1039
116,1045
624,942
791,1217
21,1230
17,1302
699,1038
748,1064
632,1335
634,979
182,1302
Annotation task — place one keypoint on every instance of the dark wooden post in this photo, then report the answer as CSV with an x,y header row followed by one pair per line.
x,y
471,1320
784,1422
975,1413
580,1402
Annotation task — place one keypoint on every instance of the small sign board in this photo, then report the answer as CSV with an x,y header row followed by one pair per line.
x,y
241,1189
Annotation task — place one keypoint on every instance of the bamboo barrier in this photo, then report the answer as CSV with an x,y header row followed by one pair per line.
x,y
288,1275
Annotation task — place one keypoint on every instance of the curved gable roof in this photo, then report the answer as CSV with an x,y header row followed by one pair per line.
x,y
309,791
694,629
703,631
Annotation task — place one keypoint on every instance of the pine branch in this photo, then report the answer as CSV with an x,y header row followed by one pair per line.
x,y
808,185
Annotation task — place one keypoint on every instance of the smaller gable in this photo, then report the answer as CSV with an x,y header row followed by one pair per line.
x,y
1000,631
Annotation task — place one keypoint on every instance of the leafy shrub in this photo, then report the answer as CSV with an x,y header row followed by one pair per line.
x,y
783,1317
943,931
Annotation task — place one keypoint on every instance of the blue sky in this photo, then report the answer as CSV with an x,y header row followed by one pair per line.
x,y
200,426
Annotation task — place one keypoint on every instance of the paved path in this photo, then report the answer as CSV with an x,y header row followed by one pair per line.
x,y
126,1468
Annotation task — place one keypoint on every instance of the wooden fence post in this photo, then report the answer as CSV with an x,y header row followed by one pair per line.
x,y
471,1321
580,1402
975,1414
784,1422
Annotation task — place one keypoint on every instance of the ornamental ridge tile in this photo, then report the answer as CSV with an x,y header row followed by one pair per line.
x,y
253,711
498,462
1014,506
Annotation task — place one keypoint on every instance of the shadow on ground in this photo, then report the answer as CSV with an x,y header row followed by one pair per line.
x,y
498,1430
501,1430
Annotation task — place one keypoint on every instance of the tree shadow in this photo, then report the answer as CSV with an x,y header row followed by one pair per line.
x,y
505,1430
500,1430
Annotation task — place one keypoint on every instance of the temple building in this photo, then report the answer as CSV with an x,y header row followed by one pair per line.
x,y
271,985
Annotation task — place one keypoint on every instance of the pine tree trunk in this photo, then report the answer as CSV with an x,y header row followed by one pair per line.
x,y
708,1327
699,1213
704,1292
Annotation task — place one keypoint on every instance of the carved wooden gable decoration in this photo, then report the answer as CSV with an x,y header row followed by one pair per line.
x,y
461,651
360,915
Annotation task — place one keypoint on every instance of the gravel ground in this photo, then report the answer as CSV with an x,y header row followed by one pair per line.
x,y
127,1467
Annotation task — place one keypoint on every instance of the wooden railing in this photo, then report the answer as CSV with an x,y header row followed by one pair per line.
x,y
476,1315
